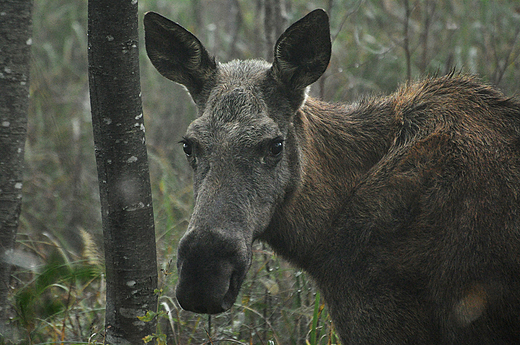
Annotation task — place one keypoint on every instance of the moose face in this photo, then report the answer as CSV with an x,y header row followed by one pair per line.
x,y
241,172
243,148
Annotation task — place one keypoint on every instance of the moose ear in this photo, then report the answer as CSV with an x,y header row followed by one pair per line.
x,y
177,53
302,53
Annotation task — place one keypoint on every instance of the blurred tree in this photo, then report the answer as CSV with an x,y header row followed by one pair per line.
x,y
274,24
15,44
124,180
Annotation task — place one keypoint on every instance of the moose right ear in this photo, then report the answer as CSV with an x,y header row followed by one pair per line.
x,y
177,54
302,53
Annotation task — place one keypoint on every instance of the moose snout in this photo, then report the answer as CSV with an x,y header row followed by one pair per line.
x,y
211,267
205,289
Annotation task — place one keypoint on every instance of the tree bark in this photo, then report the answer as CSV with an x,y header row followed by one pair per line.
x,y
15,51
124,181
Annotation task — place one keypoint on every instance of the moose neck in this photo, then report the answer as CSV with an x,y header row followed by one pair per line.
x,y
338,145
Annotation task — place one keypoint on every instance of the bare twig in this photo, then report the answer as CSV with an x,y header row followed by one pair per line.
x,y
500,70
277,341
429,11
344,19
235,27
406,42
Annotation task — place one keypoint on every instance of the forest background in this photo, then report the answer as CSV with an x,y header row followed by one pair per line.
x,y
57,285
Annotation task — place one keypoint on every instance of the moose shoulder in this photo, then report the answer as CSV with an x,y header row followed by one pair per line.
x,y
404,209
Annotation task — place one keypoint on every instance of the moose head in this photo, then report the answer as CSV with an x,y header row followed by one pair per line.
x,y
243,147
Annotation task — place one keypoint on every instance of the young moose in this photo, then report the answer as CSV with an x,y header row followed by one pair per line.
x,y
404,209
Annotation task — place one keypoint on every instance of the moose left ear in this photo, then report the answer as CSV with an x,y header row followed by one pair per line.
x,y
177,53
302,53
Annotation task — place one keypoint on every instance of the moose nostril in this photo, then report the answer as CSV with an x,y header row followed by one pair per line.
x,y
228,301
229,298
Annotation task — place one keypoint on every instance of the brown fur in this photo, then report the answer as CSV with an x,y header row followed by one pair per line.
x,y
427,210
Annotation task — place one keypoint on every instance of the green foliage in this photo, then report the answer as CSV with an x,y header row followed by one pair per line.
x,y
315,318
60,298
63,300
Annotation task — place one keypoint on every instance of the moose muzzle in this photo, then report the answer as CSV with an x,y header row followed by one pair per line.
x,y
212,265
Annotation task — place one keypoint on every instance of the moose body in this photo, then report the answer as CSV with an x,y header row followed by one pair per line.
x,y
404,209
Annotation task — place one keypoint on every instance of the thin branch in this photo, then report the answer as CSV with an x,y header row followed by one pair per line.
x,y
236,26
406,42
430,8
500,71
344,20
277,341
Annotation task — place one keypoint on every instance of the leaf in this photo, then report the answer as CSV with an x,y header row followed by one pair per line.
x,y
149,316
148,338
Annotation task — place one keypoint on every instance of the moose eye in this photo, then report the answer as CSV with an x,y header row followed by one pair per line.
x,y
276,147
187,148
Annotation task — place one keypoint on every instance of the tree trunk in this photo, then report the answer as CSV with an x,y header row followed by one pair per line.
x,y
124,181
15,50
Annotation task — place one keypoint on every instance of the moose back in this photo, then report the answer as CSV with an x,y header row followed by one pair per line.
x,y
404,209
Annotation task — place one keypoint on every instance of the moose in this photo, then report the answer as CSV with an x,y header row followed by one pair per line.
x,y
404,209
